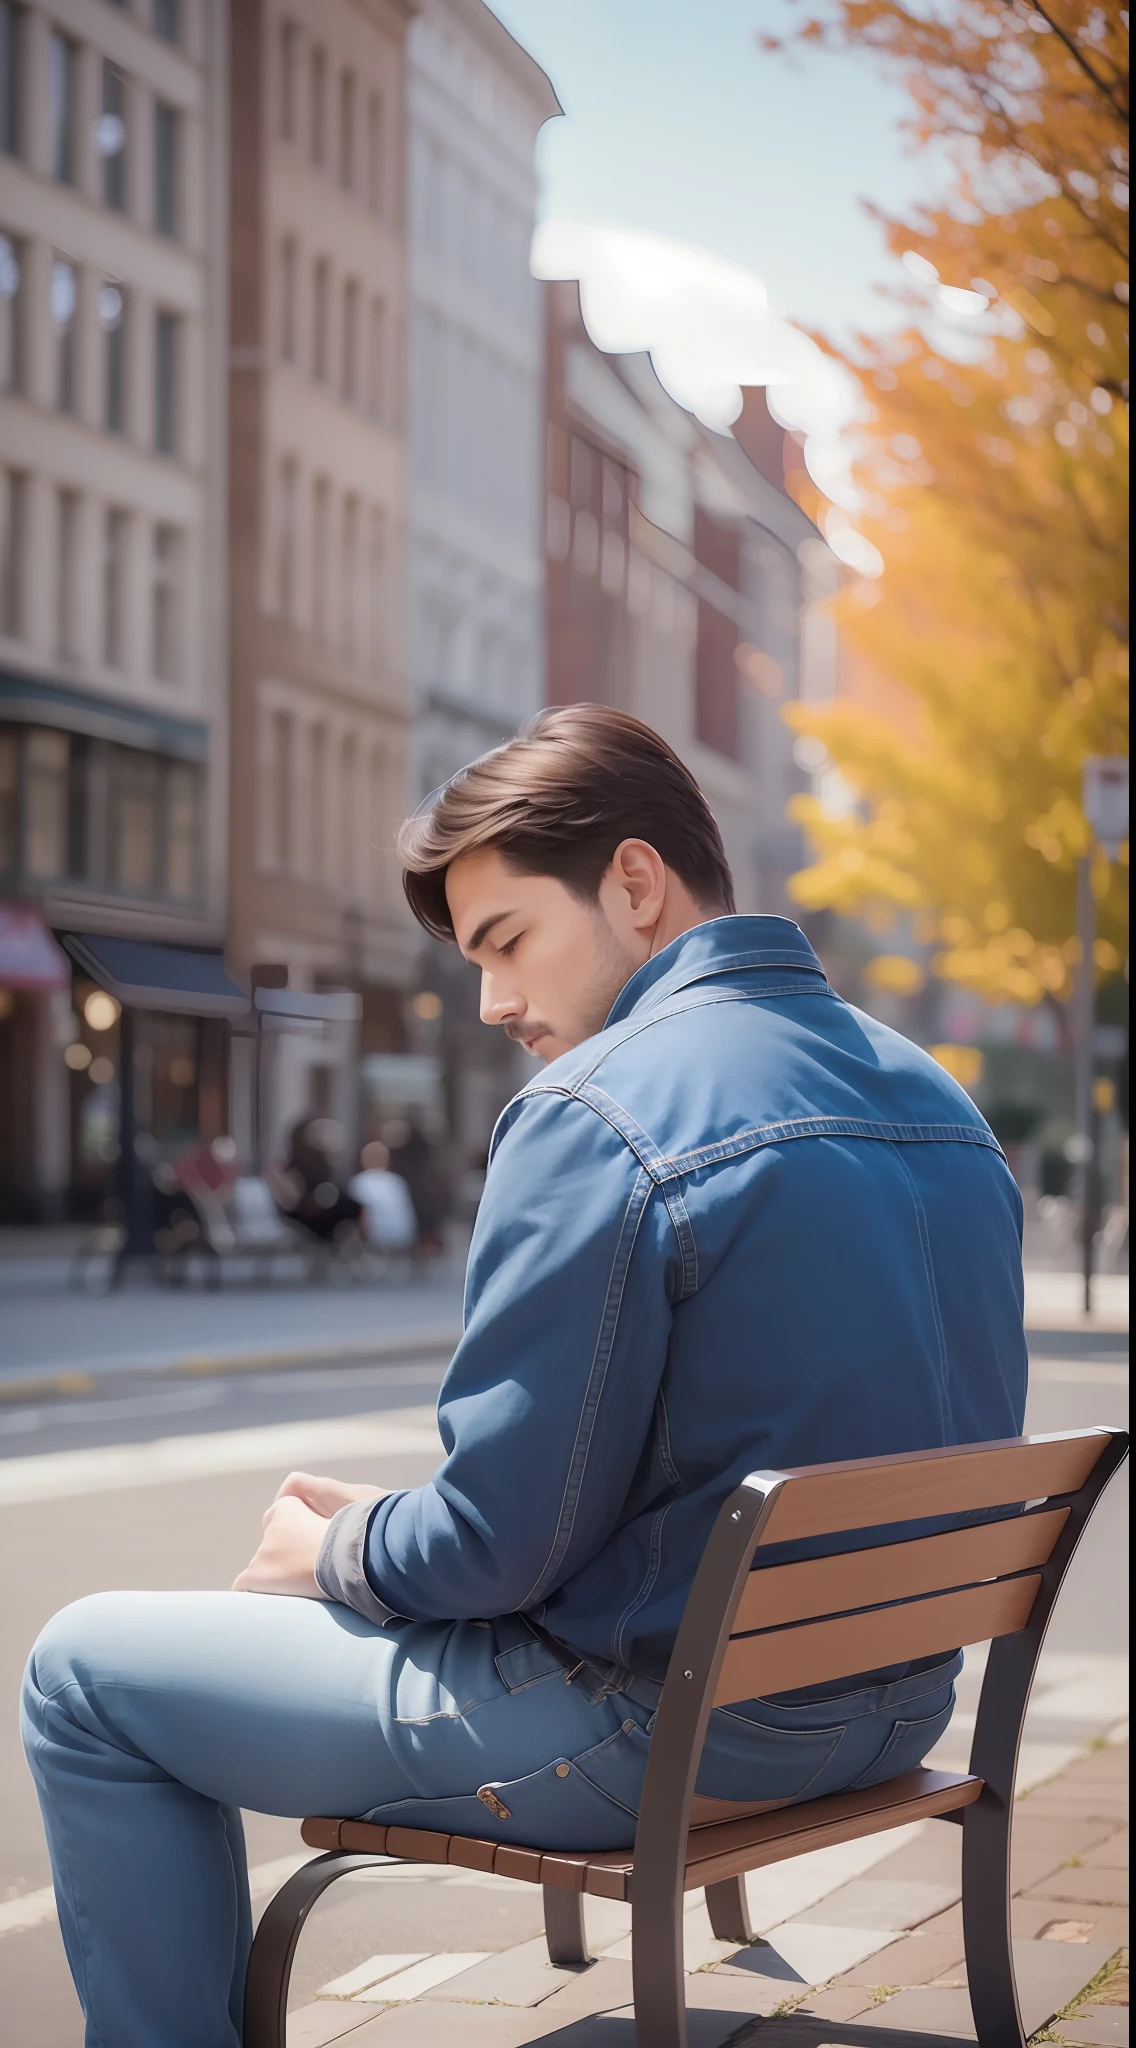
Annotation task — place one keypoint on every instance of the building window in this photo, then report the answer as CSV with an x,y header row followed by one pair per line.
x,y
134,841
165,607
11,53
281,731
376,575
165,383
13,492
46,803
165,169
321,319
378,811
348,808
110,138
286,538
289,78
9,773
319,801
321,554
289,287
165,17
375,153
317,116
11,315
350,341
112,321
66,569
349,579
183,835
115,533
347,130
61,68
64,303
377,360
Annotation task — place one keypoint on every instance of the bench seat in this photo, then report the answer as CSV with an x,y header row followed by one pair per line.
x,y
721,1849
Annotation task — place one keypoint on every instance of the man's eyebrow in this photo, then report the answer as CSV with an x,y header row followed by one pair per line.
x,y
485,927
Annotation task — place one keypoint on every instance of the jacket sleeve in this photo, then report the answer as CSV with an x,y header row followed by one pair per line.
x,y
548,1402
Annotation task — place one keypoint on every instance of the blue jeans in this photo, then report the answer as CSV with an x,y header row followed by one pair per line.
x,y
151,1718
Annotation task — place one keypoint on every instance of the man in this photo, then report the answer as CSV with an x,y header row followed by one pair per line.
x,y
733,1224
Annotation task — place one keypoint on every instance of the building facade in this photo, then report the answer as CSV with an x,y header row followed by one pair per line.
x,y
475,555
685,585
113,662
317,524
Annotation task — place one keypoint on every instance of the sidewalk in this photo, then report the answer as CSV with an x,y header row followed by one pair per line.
x,y
59,1343
858,1945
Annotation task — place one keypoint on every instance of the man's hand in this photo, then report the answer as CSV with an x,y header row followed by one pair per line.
x,y
289,1547
325,1496
294,1528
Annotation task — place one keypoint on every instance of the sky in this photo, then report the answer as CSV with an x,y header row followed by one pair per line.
x,y
679,125
710,198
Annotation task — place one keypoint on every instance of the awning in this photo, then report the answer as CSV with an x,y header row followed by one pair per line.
x,y
145,976
29,956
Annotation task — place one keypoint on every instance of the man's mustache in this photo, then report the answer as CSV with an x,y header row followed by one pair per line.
x,y
519,1033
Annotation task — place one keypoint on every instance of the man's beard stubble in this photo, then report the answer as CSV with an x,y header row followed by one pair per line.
x,y
611,969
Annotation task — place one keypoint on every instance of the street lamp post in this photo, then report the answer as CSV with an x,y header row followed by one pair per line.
x,y
1105,804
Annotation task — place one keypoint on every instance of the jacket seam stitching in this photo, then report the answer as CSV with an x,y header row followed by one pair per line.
x,y
822,1127
650,1576
929,1268
593,1393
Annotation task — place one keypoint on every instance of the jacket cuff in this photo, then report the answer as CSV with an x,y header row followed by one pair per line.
x,y
339,1567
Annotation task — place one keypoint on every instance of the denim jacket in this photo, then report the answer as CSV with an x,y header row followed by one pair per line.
x,y
744,1226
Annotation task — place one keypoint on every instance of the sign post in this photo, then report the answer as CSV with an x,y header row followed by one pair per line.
x,y
1105,803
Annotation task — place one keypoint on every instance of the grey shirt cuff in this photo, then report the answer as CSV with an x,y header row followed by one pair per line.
x,y
339,1566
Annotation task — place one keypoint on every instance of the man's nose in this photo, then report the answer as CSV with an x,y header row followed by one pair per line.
x,y
497,1002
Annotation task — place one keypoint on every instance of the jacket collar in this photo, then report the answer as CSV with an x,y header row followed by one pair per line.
x,y
723,945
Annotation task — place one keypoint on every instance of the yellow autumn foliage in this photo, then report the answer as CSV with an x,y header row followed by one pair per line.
x,y
993,476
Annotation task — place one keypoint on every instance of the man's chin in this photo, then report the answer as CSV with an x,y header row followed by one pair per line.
x,y
544,1047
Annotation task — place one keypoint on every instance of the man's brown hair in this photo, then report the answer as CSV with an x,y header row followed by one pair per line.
x,y
557,800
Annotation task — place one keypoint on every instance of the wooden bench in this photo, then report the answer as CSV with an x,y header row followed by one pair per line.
x,y
746,1633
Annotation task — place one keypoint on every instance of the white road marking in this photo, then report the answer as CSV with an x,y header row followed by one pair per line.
x,y
371,1972
423,1976
34,1908
1079,1372
110,1468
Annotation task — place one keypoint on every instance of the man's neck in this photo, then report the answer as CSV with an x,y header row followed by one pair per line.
x,y
680,914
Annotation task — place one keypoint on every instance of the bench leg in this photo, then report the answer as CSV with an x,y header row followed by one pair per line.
x,y
657,1976
986,1921
728,1908
564,1929
270,1961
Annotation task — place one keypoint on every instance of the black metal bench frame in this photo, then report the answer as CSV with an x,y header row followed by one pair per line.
x,y
672,1856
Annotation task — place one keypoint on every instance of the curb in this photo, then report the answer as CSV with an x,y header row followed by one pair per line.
x,y
437,1343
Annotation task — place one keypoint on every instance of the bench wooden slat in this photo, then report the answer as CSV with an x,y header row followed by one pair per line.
x,y
825,1500
731,1847
896,1571
815,1651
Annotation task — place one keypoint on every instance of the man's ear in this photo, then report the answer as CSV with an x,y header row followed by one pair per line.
x,y
642,876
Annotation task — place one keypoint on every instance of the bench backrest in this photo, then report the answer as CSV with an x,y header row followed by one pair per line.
x,y
859,1609
746,1634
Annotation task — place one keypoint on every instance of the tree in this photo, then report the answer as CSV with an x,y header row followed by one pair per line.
x,y
992,467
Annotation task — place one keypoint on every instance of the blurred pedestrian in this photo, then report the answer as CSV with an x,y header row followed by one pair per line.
x,y
415,1157
308,1188
389,1221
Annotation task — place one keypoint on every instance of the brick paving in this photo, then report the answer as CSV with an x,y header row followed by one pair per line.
x,y
872,1956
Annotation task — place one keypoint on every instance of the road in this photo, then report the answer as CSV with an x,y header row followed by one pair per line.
x,y
160,1483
